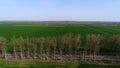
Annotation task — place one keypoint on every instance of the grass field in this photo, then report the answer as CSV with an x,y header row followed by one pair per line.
x,y
9,30
48,64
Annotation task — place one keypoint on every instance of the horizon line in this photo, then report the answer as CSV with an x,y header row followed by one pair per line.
x,y
54,21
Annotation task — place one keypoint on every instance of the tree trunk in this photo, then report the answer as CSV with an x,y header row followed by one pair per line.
x,y
5,54
15,54
83,55
28,53
61,55
21,53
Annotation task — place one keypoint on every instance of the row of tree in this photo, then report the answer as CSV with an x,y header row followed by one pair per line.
x,y
68,44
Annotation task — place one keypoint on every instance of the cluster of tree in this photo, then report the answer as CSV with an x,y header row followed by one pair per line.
x,y
68,44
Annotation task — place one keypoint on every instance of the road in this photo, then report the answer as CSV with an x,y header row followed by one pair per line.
x,y
67,57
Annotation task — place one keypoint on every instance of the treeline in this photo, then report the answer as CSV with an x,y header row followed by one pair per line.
x,y
68,44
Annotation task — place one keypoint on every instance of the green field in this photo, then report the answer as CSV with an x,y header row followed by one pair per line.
x,y
9,30
48,64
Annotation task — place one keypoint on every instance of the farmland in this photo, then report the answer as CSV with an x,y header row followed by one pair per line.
x,y
58,42
9,30
36,30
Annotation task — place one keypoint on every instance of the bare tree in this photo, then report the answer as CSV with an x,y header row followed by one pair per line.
x,y
89,44
114,42
3,46
34,46
47,47
93,43
77,43
58,47
53,44
14,43
62,46
118,42
98,39
41,44
28,43
21,44
69,43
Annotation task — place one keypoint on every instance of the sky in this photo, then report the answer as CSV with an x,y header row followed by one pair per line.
x,y
59,10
